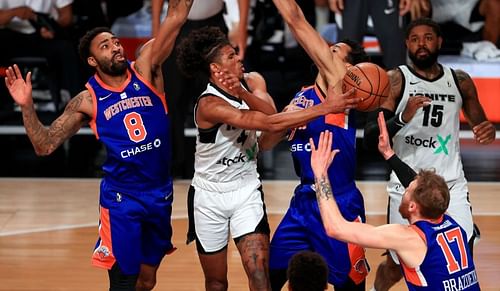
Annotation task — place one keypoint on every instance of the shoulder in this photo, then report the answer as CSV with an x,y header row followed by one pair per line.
x,y
462,76
82,102
254,80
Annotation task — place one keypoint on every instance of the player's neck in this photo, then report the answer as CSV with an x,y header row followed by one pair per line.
x,y
428,73
113,81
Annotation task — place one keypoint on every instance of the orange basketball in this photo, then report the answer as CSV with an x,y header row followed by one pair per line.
x,y
371,83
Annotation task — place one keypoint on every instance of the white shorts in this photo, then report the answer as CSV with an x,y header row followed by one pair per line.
x,y
217,214
459,208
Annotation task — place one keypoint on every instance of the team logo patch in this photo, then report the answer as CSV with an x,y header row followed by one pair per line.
x,y
102,252
136,86
361,266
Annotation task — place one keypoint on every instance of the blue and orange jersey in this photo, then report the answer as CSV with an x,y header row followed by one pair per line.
x,y
133,123
448,263
343,126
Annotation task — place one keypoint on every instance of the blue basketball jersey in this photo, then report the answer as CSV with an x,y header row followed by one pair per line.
x,y
133,124
343,170
448,262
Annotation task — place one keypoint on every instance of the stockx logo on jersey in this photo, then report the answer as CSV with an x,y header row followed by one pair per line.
x,y
439,143
251,154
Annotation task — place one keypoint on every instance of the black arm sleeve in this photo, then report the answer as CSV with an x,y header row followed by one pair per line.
x,y
371,132
403,171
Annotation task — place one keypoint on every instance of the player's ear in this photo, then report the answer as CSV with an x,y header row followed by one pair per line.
x,y
440,41
214,68
92,61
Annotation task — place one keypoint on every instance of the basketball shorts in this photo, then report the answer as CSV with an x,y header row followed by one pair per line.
x,y
302,229
134,228
459,209
215,213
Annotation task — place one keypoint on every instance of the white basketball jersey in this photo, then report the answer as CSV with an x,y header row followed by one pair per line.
x,y
430,139
224,153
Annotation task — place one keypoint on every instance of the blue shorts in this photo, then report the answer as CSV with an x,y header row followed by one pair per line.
x,y
134,228
302,229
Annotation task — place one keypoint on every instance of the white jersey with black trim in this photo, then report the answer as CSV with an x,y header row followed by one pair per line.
x,y
431,138
224,153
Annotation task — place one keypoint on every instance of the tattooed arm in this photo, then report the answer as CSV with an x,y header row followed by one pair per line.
x,y
484,130
46,140
390,236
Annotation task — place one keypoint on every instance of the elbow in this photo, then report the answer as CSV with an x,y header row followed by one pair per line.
x,y
41,151
333,230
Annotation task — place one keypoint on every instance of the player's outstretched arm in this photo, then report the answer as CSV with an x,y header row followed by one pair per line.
x,y
484,130
46,140
332,68
213,110
156,51
388,236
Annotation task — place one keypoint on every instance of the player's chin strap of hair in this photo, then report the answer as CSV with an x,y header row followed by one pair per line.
x,y
394,124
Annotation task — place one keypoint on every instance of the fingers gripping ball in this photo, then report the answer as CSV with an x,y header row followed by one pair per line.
x,y
371,83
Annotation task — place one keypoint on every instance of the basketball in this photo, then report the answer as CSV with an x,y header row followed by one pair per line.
x,y
371,83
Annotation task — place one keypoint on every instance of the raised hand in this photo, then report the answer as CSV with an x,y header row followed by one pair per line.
x,y
19,89
231,82
384,144
341,102
322,157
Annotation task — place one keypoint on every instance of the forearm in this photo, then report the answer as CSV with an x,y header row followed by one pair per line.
x,y
39,136
169,29
156,9
404,172
291,119
6,16
268,140
330,213
371,131
315,46
257,103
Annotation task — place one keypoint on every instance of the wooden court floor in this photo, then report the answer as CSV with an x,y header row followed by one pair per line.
x,y
48,229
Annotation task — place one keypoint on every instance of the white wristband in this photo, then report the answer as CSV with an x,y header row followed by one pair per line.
x,y
400,119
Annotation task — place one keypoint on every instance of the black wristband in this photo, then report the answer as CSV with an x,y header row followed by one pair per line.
x,y
403,171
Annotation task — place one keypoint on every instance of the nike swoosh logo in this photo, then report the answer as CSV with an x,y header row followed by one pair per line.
x,y
413,83
102,98
389,10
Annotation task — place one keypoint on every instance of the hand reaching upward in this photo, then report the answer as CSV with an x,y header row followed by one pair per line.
x,y
322,157
19,89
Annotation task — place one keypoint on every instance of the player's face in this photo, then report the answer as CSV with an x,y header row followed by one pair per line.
x,y
423,46
230,61
107,54
342,50
404,207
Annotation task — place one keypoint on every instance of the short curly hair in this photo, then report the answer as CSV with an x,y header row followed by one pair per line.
x,y
307,271
84,45
200,48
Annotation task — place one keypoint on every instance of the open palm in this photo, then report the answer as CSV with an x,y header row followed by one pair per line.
x,y
323,155
19,89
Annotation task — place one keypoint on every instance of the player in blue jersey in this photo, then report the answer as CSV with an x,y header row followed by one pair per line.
x,y
124,104
433,249
301,228
225,198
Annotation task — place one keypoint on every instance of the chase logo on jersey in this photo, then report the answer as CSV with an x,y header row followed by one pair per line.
x,y
440,144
